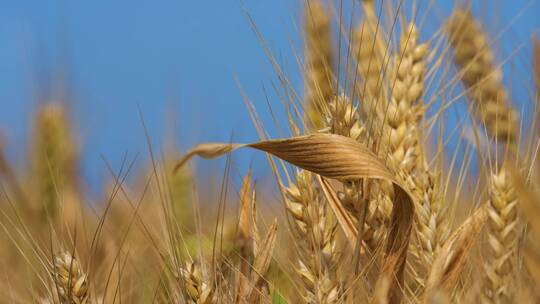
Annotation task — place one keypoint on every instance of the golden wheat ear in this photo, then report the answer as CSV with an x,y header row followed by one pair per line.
x,y
319,61
54,164
500,264
71,282
316,240
195,284
482,77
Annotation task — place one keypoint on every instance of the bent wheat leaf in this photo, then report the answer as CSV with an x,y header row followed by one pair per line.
x,y
449,263
341,158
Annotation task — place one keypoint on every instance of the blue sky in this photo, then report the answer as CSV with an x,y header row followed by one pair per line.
x,y
176,60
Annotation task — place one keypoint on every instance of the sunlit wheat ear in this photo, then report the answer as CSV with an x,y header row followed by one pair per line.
x,y
482,77
405,152
196,285
53,159
70,280
319,60
341,117
179,188
502,239
316,239
369,49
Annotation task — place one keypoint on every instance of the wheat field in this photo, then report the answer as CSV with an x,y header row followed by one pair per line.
x,y
378,194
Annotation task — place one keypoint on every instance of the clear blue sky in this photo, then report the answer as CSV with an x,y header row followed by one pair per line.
x,y
175,59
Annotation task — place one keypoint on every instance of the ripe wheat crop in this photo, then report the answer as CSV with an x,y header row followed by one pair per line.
x,y
374,206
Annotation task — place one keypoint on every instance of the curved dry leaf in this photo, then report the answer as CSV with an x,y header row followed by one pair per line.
x,y
341,158
208,150
449,263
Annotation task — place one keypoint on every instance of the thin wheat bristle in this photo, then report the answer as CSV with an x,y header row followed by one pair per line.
x,y
316,235
71,282
502,239
482,77
319,61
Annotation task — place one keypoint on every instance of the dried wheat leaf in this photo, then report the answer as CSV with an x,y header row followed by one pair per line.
x,y
341,158
208,150
448,264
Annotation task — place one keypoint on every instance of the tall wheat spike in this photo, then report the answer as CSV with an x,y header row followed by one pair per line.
x,y
319,60
405,152
316,234
502,239
482,77
342,118
54,158
369,47
484,81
